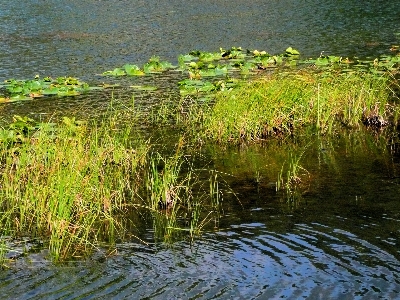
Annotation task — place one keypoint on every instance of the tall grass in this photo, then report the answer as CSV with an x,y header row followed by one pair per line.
x,y
67,186
283,103
180,198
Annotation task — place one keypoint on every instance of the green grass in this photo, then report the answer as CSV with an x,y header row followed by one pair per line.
x,y
67,186
179,198
283,103
76,186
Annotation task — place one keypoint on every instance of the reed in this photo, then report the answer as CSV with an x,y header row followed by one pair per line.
x,y
181,200
286,102
66,186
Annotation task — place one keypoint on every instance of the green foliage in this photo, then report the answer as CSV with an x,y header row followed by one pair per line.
x,y
16,90
177,199
22,129
283,103
67,186
154,65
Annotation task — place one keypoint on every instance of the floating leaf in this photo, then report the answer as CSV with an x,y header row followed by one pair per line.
x,y
52,90
209,56
291,51
115,72
257,53
322,61
186,58
20,98
133,70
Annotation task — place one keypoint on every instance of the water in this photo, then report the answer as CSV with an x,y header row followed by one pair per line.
x,y
339,238
84,38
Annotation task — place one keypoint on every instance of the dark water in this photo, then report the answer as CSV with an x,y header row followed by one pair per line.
x,y
84,38
338,239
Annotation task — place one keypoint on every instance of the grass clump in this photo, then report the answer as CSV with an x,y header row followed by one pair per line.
x,y
67,185
282,103
181,200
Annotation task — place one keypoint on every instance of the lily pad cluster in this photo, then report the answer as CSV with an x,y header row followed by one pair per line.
x,y
154,65
225,63
205,64
378,65
200,68
16,90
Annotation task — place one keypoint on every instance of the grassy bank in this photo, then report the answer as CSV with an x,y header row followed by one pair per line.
x,y
283,103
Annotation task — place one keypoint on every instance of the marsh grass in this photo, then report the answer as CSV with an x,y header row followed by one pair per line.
x,y
67,186
181,199
174,208
292,173
283,104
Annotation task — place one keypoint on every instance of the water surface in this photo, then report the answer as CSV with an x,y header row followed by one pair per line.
x,y
339,238
84,38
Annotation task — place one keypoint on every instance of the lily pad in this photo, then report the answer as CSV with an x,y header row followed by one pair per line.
x,y
51,91
115,72
133,70
20,98
186,58
291,51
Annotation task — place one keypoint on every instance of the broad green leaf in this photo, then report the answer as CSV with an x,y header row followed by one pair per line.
x,y
133,70
291,51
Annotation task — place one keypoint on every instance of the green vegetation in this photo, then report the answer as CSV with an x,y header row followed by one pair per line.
x,y
17,90
154,65
179,201
66,186
283,103
74,185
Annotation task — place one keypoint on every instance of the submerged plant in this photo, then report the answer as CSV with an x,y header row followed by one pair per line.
x,y
179,199
291,179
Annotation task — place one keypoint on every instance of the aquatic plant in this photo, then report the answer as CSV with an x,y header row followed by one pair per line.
x,y
67,186
285,102
291,177
16,90
180,201
154,65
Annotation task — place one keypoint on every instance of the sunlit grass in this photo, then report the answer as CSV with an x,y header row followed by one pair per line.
x,y
283,103
66,186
